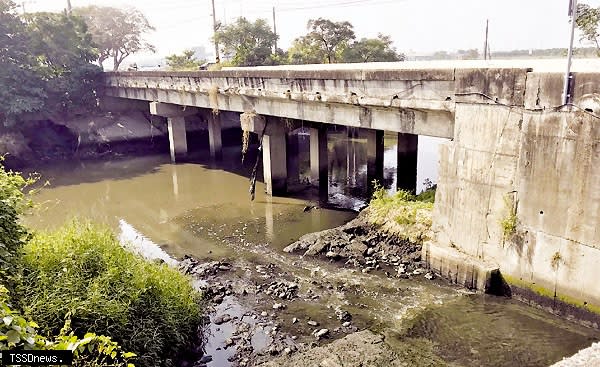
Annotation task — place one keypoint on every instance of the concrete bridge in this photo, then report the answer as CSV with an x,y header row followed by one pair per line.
x,y
519,185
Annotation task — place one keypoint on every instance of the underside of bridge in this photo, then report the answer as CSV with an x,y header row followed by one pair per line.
x,y
517,154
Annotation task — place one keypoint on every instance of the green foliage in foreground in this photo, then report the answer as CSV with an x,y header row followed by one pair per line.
x,y
81,272
13,235
91,350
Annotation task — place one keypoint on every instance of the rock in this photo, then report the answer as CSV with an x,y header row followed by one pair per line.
x,y
294,320
332,255
229,342
429,276
418,271
221,319
342,315
346,324
287,350
278,306
321,333
357,248
264,314
206,359
370,251
313,323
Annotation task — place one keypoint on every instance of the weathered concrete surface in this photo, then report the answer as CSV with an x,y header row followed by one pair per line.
x,y
517,156
541,164
584,358
409,101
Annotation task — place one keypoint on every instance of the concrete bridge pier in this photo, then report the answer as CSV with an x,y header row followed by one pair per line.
x,y
319,160
292,157
375,149
214,135
175,115
274,149
275,172
408,145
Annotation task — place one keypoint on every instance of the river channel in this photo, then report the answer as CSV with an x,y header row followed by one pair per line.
x,y
204,210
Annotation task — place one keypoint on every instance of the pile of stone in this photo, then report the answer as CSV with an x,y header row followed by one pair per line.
x,y
190,266
217,292
282,290
360,244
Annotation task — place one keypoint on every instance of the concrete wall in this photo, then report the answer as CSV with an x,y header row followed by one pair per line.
x,y
540,162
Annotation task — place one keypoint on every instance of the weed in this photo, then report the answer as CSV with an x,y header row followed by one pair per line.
x,y
82,272
509,221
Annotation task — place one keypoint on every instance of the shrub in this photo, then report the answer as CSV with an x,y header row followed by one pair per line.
x,y
81,272
13,235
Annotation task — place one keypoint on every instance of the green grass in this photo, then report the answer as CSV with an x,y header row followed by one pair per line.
x,y
81,272
412,213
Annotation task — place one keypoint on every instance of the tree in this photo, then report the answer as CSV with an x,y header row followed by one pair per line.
x,y
249,44
117,32
45,65
186,61
326,40
587,22
372,50
305,51
22,87
65,52
471,54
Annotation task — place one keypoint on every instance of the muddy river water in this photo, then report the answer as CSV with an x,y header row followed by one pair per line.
x,y
204,210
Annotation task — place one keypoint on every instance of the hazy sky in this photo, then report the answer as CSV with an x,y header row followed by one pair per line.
x,y
416,26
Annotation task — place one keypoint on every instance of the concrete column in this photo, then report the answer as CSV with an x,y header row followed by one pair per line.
x,y
374,156
407,162
214,136
175,115
177,138
293,156
319,161
275,162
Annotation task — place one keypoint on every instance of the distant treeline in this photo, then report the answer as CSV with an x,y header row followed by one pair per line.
x,y
583,52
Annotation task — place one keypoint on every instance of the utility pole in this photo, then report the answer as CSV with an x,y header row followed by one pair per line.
x,y
69,7
275,28
214,14
573,14
485,44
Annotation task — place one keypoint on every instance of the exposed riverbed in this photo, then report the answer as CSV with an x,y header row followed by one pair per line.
x,y
203,210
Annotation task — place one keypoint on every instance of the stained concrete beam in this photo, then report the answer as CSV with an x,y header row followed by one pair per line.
x,y
172,110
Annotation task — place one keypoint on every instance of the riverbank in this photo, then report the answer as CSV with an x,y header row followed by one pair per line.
x,y
203,210
94,136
